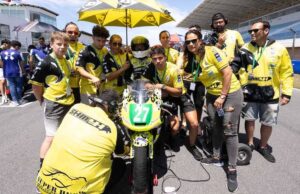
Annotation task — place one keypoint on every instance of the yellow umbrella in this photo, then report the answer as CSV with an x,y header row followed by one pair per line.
x,y
127,13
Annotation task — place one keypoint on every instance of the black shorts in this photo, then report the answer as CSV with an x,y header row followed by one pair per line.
x,y
184,102
198,94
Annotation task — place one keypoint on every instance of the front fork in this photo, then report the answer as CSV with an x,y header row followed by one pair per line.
x,y
141,139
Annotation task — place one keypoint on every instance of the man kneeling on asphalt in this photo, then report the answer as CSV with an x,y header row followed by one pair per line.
x,y
80,158
167,77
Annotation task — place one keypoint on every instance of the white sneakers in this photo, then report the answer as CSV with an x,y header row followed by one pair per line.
x,y
4,100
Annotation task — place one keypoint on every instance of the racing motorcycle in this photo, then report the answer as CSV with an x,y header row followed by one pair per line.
x,y
142,115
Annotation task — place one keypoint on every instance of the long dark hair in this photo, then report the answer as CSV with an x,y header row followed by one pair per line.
x,y
187,54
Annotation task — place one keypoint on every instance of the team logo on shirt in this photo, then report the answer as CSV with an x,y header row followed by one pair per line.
x,y
89,120
218,57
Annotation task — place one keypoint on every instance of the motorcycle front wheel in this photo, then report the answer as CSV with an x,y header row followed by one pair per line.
x,y
142,176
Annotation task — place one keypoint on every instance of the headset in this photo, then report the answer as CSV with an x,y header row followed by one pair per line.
x,y
217,16
72,23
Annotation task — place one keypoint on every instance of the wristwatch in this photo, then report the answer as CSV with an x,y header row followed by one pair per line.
x,y
223,97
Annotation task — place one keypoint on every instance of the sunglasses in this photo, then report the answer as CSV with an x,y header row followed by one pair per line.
x,y
73,32
117,44
253,30
193,41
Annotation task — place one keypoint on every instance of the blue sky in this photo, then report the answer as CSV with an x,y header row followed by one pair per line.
x,y
67,10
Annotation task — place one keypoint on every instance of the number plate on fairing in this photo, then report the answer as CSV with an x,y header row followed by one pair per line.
x,y
140,114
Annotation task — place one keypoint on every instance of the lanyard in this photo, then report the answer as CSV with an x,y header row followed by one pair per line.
x,y
167,53
60,66
198,68
261,53
163,76
120,59
71,58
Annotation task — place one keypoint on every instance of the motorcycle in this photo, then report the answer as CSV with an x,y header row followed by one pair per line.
x,y
142,116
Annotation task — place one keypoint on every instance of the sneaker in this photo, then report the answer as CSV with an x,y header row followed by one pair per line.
x,y
266,153
212,160
14,104
196,153
252,147
232,184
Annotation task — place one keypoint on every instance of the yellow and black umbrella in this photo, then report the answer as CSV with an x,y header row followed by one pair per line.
x,y
127,13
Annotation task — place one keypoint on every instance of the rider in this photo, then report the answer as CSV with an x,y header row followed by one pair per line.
x,y
80,159
140,60
166,76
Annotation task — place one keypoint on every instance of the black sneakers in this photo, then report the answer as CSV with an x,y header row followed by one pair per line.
x,y
175,143
213,161
232,184
196,153
252,147
266,153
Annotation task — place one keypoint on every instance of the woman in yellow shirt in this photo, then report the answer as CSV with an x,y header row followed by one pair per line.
x,y
114,65
224,102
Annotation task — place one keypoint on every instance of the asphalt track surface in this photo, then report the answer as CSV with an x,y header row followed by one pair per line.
x,y
21,133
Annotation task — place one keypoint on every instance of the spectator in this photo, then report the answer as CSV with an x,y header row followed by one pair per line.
x,y
51,87
43,46
189,62
75,47
227,40
166,76
269,71
35,56
90,64
195,27
13,69
224,96
172,54
114,66
5,44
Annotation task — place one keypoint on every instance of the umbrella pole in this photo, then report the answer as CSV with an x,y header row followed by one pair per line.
x,y
126,27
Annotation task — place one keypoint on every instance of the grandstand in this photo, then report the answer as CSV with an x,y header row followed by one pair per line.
x,y
284,17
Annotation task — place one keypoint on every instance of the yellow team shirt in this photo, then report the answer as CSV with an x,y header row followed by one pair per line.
x,y
213,62
54,75
79,160
86,85
170,76
172,55
274,68
72,53
109,66
232,39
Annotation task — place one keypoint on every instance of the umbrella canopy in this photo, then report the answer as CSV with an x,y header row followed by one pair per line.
x,y
36,26
127,13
